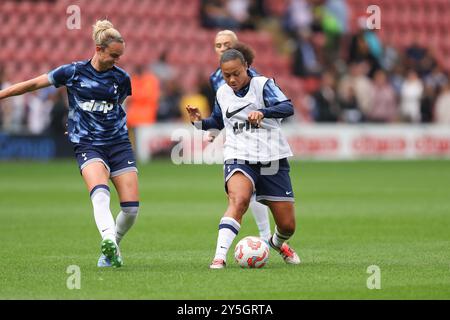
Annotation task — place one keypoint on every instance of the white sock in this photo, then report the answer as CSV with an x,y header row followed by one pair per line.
x,y
279,238
126,218
103,218
261,215
228,229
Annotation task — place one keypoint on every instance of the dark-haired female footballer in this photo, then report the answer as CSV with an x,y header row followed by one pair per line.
x,y
250,108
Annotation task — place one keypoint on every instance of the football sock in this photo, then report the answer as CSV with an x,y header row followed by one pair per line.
x,y
100,198
279,238
126,218
261,215
228,229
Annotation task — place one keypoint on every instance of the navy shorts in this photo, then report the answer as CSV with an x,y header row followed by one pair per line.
x,y
270,181
118,158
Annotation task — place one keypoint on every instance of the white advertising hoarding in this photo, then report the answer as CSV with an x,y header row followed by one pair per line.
x,y
325,142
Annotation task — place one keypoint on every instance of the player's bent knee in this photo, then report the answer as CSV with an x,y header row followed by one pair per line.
x,y
239,203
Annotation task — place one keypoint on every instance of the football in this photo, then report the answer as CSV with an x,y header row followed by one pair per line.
x,y
251,252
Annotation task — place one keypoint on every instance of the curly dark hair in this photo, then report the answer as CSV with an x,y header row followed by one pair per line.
x,y
247,52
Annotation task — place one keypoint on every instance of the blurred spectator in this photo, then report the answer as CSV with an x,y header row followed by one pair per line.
x,y
58,114
427,104
420,59
365,46
240,11
308,58
414,54
350,109
215,14
14,111
169,103
340,11
298,16
38,116
442,114
384,107
396,78
411,94
162,69
373,43
390,57
426,65
325,106
436,78
142,105
257,10
357,82
334,17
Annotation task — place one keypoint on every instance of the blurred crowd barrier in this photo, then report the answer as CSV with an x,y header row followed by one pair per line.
x,y
185,145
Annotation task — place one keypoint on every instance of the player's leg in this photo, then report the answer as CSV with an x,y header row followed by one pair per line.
x,y
239,188
125,179
127,188
96,177
275,189
261,214
284,216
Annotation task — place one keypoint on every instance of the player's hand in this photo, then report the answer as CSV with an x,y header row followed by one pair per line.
x,y
210,136
255,118
194,113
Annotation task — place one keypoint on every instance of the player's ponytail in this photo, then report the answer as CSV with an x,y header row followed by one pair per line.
x,y
104,33
246,51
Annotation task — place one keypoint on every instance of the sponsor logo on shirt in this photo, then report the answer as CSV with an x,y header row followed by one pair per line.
x,y
97,106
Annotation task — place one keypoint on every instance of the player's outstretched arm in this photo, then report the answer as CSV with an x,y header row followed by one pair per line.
x,y
215,121
25,86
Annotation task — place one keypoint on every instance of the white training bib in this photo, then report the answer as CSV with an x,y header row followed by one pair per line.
x,y
244,141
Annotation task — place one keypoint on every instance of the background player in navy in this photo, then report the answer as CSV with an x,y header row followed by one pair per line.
x,y
250,108
96,90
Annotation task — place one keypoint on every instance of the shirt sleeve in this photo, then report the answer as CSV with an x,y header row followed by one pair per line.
x,y
212,84
276,102
62,75
215,121
125,90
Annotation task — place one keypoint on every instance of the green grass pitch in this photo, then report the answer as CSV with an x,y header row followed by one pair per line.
x,y
350,215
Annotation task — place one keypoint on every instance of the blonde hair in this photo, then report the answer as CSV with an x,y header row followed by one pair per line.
x,y
228,33
104,33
